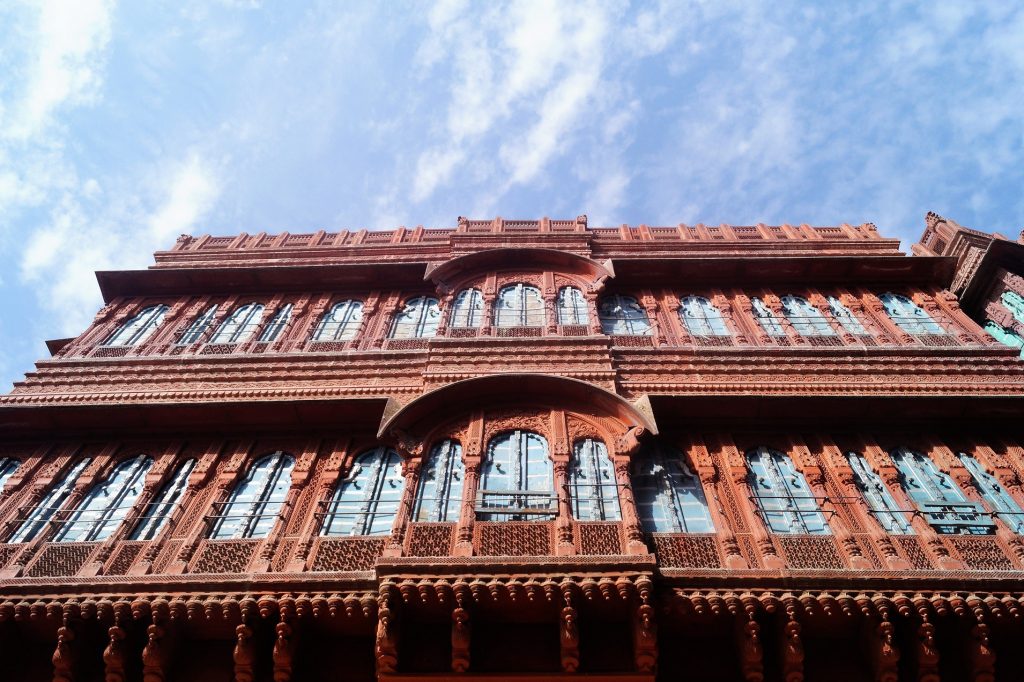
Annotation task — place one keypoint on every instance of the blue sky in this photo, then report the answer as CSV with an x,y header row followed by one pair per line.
x,y
123,125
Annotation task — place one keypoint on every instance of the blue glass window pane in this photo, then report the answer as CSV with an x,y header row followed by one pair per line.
x,y
1015,303
592,489
366,501
880,501
846,318
440,494
278,323
669,497
931,489
159,511
8,466
766,318
805,318
197,330
909,316
701,317
782,494
995,494
255,503
623,315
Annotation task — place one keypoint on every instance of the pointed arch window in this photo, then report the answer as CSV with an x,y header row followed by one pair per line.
x,y
1015,303
701,317
592,490
51,503
159,512
806,319
995,494
623,316
879,500
341,322
418,320
240,325
439,497
942,503
199,326
366,501
519,305
572,307
138,328
255,503
669,497
468,310
517,480
782,495
278,323
1005,336
8,465
107,504
909,316
766,318
846,318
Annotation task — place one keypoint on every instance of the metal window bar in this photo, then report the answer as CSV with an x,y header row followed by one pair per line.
x,y
281,321
361,521
198,328
516,505
332,328
138,329
606,507
251,517
811,325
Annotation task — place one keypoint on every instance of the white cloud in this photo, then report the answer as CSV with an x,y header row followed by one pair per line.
x,y
192,194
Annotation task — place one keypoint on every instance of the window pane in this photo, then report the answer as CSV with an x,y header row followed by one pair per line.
x,y
995,494
782,494
49,505
572,306
623,315
519,305
669,497
240,325
341,322
7,468
106,504
366,501
593,492
139,328
256,502
417,320
517,479
766,318
701,317
943,503
846,318
159,511
805,318
879,500
468,310
440,494
277,324
197,330
908,316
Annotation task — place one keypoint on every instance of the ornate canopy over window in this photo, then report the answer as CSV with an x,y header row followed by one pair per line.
x,y
138,328
107,504
365,501
341,322
519,305
782,495
418,320
623,315
669,497
255,503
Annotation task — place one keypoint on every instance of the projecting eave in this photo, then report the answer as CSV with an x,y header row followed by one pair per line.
x,y
1000,253
825,269
521,258
268,278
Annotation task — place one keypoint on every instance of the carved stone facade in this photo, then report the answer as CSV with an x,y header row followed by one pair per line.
x,y
542,587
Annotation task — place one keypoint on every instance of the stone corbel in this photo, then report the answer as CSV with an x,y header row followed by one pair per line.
x,y
645,631
65,654
749,637
881,637
461,631
792,644
386,640
568,631
927,649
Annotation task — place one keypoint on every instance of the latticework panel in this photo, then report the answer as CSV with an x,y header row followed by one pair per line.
x,y
462,332
326,346
407,344
166,555
281,556
599,537
712,341
218,349
224,556
514,538
913,552
7,553
347,554
810,551
517,332
61,559
687,551
626,341
430,539
980,552
573,330
824,341
111,351
124,557
938,340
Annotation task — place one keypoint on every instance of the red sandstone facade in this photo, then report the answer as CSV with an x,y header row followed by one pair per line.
x,y
554,598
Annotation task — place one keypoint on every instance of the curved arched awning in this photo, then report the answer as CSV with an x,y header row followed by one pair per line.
x,y
490,259
519,388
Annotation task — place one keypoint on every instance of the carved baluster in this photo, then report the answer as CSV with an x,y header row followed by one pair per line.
x,y
411,450
740,331
749,635
461,632
284,650
563,523
592,307
386,642
65,655
792,644
625,448
645,631
568,630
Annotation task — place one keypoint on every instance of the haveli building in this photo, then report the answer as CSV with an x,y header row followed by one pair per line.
x,y
519,449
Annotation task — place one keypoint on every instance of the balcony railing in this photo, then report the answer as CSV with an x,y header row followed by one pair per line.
x,y
516,505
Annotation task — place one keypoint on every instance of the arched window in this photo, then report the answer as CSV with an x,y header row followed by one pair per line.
x,y
995,494
806,319
240,325
106,504
418,320
846,317
365,501
51,503
8,466
1015,303
516,483
197,330
159,511
468,310
943,504
341,322
909,316
519,305
669,497
139,328
782,495
1005,336
880,501
622,315
440,494
255,503
701,317
766,318
278,323
592,490
572,306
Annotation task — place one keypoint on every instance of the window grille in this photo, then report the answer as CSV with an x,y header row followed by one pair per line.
x,y
1003,504
909,316
107,504
517,480
519,305
879,500
669,497
439,497
806,319
572,307
623,316
240,325
593,492
197,330
139,328
846,318
8,466
418,320
278,323
941,503
782,494
366,501
468,310
766,318
47,509
341,322
159,512
701,317
255,503
1005,336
